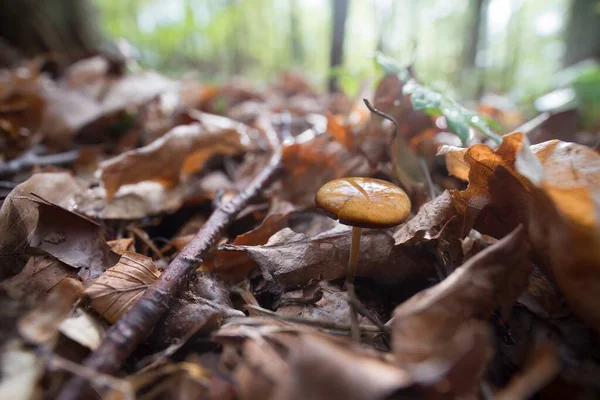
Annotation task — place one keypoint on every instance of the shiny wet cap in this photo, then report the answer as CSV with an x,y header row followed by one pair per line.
x,y
364,202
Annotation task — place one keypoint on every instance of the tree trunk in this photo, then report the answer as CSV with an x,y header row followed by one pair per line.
x,y
475,39
338,19
583,32
295,36
67,28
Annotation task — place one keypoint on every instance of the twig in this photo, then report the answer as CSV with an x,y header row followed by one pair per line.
x,y
425,169
31,159
353,314
361,309
318,323
135,325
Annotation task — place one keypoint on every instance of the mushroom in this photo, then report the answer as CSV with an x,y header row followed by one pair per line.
x,y
363,203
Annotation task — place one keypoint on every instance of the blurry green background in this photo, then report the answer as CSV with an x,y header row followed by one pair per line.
x,y
520,44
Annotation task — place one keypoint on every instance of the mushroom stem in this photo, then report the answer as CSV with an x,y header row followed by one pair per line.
x,y
354,249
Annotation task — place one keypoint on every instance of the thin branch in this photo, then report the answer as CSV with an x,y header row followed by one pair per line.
x,y
31,159
135,325
425,168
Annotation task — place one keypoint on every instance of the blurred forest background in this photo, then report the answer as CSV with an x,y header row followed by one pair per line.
x,y
467,48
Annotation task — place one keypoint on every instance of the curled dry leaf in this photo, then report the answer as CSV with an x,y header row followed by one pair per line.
x,y
306,365
115,291
442,326
342,134
310,164
73,239
553,189
41,325
235,266
82,328
133,201
121,246
183,150
36,217
200,308
291,258
323,301
40,275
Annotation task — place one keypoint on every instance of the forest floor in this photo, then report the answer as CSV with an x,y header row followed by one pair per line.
x,y
160,239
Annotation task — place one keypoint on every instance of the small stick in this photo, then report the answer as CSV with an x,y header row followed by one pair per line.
x,y
31,159
425,169
353,315
137,323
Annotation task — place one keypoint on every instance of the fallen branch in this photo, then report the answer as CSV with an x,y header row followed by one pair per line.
x,y
135,325
31,159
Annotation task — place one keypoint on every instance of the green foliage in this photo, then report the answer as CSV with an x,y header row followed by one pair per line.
x,y
458,118
587,92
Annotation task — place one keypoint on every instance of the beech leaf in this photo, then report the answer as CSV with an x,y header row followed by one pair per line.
x,y
115,291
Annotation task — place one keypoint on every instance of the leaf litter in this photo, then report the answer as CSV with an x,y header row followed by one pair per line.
x,y
489,289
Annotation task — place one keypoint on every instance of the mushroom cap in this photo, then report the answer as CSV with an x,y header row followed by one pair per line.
x,y
364,202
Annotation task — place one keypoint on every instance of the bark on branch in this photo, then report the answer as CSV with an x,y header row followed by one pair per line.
x,y
135,325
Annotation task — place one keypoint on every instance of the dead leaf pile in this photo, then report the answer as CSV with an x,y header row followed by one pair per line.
x,y
488,290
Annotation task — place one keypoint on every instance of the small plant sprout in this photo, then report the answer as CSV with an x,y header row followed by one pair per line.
x,y
363,203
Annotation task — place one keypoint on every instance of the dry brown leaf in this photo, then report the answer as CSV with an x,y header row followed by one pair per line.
x,y
200,308
331,306
73,239
84,329
234,266
343,134
121,246
443,325
19,215
310,164
304,365
291,258
183,150
552,188
115,291
543,367
133,201
41,325
20,369
40,275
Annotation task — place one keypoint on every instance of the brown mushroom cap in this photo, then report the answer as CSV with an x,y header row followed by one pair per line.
x,y
364,202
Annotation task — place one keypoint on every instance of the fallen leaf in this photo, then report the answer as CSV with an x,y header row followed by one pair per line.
x,y
73,239
41,325
133,201
331,306
543,367
235,266
41,274
21,370
305,365
19,215
115,291
442,325
310,164
82,328
539,187
121,246
342,134
291,258
183,150
201,308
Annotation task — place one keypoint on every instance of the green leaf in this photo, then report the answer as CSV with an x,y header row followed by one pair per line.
x,y
458,118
